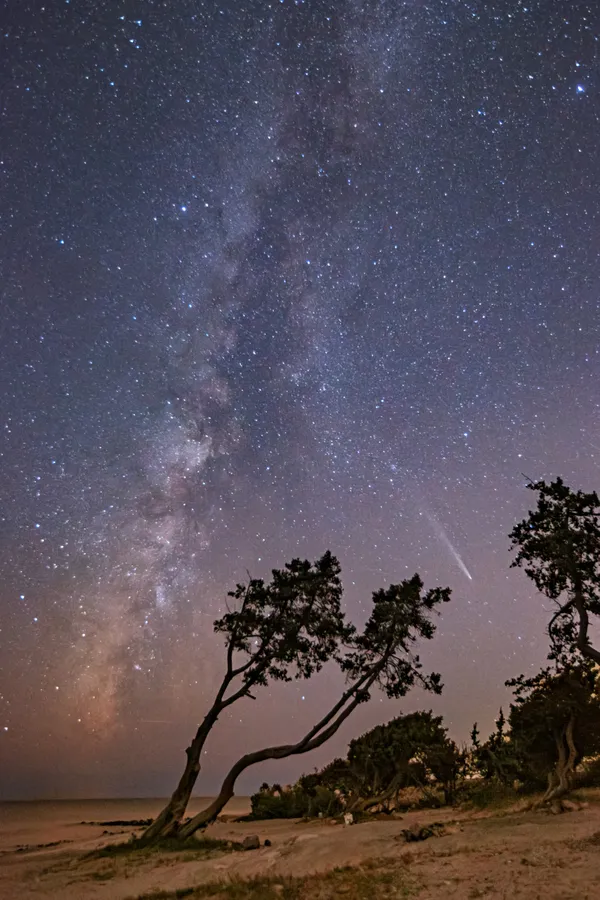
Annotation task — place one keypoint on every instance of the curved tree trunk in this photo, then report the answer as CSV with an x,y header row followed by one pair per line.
x,y
560,780
321,732
583,641
363,804
168,822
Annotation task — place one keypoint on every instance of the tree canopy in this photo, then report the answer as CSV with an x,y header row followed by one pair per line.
x,y
286,628
289,628
558,545
555,722
410,750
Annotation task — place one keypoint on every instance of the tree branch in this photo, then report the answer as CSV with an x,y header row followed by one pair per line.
x,y
360,685
309,742
583,643
562,611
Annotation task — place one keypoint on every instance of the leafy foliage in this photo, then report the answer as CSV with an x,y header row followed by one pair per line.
x,y
410,750
558,545
553,723
544,706
495,759
289,627
286,628
295,803
401,615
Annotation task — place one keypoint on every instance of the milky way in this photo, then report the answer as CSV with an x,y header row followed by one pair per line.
x,y
279,277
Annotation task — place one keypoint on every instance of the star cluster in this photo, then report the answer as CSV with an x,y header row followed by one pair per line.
x,y
279,277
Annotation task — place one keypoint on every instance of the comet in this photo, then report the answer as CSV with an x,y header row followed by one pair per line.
x,y
443,537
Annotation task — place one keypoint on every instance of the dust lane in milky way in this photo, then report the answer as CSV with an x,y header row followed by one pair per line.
x,y
279,278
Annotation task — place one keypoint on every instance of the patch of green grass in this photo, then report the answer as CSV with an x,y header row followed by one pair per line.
x,y
192,847
372,881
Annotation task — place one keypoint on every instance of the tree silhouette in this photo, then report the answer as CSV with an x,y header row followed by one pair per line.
x,y
282,630
495,758
409,751
554,722
381,656
558,545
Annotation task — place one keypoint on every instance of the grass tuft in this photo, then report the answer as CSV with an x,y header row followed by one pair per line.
x,y
374,881
491,795
198,847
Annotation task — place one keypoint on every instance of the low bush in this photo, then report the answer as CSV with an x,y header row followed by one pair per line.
x,y
488,792
589,773
294,803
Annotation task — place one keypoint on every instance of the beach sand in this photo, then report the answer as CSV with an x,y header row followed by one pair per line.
x,y
497,855
44,821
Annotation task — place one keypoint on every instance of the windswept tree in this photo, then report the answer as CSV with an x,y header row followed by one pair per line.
x,y
294,624
287,628
558,545
555,722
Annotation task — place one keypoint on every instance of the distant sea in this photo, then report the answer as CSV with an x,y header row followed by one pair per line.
x,y
115,808
24,821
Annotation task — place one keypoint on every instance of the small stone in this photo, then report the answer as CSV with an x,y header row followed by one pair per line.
x,y
251,842
348,819
267,843
422,833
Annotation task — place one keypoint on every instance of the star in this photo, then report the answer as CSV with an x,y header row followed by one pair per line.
x,y
303,254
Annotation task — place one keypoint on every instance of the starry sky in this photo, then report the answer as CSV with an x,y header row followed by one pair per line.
x,y
279,277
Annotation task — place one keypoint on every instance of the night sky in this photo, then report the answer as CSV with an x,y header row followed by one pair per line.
x,y
277,278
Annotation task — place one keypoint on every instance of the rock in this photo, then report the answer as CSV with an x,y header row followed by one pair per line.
x,y
421,833
348,819
251,842
570,806
267,843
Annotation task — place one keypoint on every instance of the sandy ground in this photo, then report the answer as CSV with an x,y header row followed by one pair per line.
x,y
521,855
